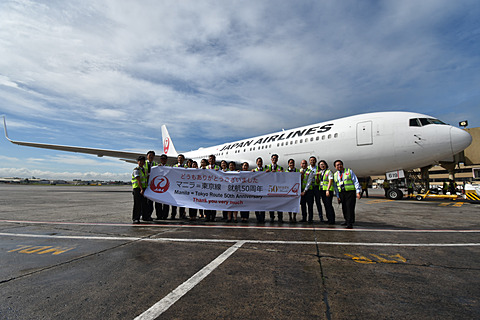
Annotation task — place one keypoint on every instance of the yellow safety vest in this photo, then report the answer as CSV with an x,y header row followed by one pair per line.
x,y
143,178
347,181
325,180
270,166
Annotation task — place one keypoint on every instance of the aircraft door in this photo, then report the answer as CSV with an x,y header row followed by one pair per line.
x,y
364,133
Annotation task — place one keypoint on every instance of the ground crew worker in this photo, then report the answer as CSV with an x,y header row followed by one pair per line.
x,y
327,190
149,203
274,167
292,216
410,189
386,187
245,214
316,188
180,164
224,168
445,187
165,207
232,214
259,214
348,190
211,214
306,200
364,185
139,185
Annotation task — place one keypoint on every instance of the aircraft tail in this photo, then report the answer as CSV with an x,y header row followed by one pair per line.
x,y
168,147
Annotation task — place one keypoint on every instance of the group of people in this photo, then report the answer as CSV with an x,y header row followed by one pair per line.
x,y
319,184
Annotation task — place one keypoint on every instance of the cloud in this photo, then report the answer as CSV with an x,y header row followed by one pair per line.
x,y
109,74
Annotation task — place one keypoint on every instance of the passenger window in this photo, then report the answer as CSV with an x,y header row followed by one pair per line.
x,y
335,135
329,136
323,137
318,138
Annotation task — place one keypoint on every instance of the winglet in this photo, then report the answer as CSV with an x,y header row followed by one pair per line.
x,y
168,147
5,127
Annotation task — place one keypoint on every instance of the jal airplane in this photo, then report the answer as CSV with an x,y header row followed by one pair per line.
x,y
371,144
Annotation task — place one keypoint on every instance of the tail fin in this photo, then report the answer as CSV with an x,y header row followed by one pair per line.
x,y
168,147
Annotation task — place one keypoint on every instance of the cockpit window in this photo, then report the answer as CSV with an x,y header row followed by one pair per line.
x,y
414,123
424,121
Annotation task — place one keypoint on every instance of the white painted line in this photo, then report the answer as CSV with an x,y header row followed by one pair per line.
x,y
370,244
261,227
161,306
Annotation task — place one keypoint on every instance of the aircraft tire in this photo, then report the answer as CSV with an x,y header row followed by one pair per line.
x,y
395,194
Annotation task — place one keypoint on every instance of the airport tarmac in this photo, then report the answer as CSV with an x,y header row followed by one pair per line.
x,y
71,252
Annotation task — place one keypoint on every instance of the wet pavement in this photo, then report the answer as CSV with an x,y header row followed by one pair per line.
x,y
71,252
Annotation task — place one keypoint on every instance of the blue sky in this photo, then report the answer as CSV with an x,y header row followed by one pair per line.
x,y
108,74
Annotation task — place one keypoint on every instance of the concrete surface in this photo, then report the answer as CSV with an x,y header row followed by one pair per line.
x,y
69,252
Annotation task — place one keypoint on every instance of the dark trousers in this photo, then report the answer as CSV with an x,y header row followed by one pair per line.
x,y
307,202
327,203
192,213
244,214
366,192
210,215
181,212
165,208
159,209
139,204
317,194
279,214
348,200
260,216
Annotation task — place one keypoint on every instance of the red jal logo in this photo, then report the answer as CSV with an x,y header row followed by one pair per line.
x,y
159,184
166,145
295,188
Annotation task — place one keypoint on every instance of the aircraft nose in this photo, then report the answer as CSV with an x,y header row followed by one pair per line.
x,y
459,139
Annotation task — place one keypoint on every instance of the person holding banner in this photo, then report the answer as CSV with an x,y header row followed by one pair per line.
x,y
232,168
306,200
165,207
326,190
211,214
259,214
348,191
291,168
139,185
274,167
224,168
180,164
158,206
245,214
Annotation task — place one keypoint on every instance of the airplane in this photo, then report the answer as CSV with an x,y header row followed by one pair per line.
x,y
371,144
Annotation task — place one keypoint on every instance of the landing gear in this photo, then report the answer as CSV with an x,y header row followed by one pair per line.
x,y
395,194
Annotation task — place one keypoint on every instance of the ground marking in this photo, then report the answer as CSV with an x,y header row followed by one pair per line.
x,y
262,227
373,244
161,306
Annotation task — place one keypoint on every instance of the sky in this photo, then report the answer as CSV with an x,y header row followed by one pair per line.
x,y
108,74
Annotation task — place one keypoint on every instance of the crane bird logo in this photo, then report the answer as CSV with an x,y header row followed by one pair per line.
x,y
159,184
166,145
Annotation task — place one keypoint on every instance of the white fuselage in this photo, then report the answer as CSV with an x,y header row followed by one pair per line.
x,y
370,144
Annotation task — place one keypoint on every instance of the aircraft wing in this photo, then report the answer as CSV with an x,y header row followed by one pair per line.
x,y
122,155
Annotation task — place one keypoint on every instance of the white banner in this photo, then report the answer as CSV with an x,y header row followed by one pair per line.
x,y
226,191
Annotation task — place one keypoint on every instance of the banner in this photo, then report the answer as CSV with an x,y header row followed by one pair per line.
x,y
225,191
